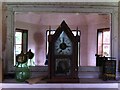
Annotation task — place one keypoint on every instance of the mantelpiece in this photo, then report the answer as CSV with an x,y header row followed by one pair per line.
x,y
103,86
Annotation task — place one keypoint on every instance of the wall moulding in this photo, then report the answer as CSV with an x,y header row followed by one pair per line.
x,y
115,4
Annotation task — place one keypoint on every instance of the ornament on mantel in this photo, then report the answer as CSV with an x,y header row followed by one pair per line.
x,y
22,71
30,54
21,58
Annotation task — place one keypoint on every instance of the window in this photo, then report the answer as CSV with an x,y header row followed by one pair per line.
x,y
103,43
21,41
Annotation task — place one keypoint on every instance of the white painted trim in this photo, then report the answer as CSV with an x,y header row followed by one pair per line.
x,y
98,85
60,1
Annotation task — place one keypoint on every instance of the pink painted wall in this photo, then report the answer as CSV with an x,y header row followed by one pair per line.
x,y
37,24
95,22
36,40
